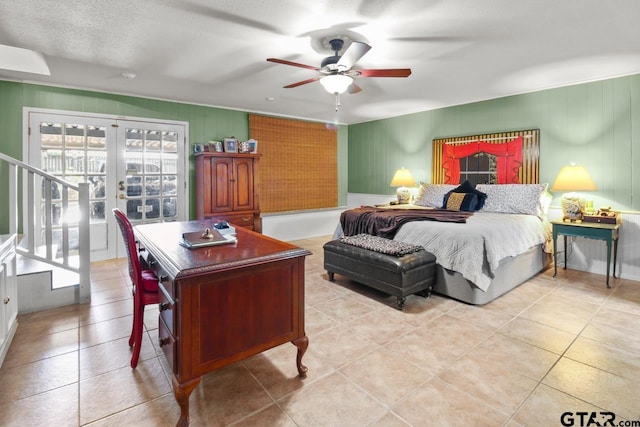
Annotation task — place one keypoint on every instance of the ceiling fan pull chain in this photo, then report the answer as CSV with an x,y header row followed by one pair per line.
x,y
337,101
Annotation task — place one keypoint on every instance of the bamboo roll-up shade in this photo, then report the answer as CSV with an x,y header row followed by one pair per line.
x,y
299,164
530,169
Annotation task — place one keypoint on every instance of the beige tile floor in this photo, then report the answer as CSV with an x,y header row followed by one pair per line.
x,y
552,345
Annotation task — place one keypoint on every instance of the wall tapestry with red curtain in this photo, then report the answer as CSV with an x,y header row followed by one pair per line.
x,y
516,156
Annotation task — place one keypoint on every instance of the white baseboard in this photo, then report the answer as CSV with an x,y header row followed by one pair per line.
x,y
301,225
355,200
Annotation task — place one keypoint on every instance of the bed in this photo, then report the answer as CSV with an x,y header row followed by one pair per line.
x,y
494,250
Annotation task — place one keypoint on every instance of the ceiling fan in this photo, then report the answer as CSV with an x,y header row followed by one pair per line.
x,y
336,73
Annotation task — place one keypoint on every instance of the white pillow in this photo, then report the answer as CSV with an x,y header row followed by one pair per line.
x,y
527,199
432,195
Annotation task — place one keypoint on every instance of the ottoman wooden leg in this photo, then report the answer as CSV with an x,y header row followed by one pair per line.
x,y
330,276
400,303
426,293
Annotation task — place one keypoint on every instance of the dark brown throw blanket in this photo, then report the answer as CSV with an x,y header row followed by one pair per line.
x,y
385,222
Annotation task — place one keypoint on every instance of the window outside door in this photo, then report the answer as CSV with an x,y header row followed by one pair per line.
x,y
136,166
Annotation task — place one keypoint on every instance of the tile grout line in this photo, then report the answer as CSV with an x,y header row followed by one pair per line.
x,y
540,382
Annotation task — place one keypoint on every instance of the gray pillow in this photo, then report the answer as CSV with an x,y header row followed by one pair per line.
x,y
432,195
514,198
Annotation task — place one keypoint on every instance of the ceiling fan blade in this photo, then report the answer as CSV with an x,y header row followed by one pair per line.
x,y
294,64
354,52
303,82
392,72
423,39
354,88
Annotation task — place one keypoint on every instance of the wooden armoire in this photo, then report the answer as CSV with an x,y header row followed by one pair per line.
x,y
227,188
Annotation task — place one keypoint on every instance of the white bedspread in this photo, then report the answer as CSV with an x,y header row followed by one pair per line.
x,y
475,249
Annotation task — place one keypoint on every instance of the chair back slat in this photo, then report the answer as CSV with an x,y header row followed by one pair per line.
x,y
130,242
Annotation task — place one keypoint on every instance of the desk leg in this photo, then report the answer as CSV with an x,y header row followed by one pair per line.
x,y
555,252
608,260
615,256
182,393
302,344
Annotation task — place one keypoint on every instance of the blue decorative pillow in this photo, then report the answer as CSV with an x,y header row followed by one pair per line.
x,y
468,187
460,201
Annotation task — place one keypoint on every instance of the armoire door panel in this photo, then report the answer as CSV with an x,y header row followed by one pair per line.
x,y
222,187
244,184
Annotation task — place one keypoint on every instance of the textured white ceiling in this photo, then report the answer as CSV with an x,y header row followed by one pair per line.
x,y
214,52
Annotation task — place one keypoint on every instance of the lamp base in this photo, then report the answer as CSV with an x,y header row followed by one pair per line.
x,y
571,209
404,195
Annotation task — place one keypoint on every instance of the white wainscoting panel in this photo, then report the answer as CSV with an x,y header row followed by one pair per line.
x,y
301,225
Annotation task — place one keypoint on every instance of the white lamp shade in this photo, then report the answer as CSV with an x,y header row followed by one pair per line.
x,y
402,178
336,83
573,178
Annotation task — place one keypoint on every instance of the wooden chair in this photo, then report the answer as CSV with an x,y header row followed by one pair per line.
x,y
145,285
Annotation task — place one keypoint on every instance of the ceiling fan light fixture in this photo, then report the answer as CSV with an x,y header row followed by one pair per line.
x,y
336,83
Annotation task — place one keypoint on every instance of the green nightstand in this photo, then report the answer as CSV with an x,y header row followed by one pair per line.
x,y
606,232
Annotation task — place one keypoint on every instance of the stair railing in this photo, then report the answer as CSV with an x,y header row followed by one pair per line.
x,y
40,182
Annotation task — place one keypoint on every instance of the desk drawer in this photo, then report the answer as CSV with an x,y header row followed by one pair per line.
x,y
167,306
162,275
167,342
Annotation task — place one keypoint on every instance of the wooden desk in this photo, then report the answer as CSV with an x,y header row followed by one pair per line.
x,y
590,230
221,304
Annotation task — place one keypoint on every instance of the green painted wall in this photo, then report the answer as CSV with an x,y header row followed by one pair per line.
x,y
205,123
595,124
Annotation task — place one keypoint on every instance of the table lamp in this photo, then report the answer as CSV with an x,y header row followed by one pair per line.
x,y
573,178
403,179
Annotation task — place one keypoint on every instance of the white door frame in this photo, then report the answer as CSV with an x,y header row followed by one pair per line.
x,y
27,149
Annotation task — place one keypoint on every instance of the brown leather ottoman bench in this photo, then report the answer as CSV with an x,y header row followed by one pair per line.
x,y
382,264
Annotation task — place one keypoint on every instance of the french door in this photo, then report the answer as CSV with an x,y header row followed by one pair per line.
x,y
136,166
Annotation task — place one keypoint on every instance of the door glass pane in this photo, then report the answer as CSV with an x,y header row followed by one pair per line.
x,y
152,160
152,208
134,186
97,195
74,136
74,161
169,185
75,153
169,208
96,161
153,141
134,209
96,138
51,135
152,185
51,161
170,142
